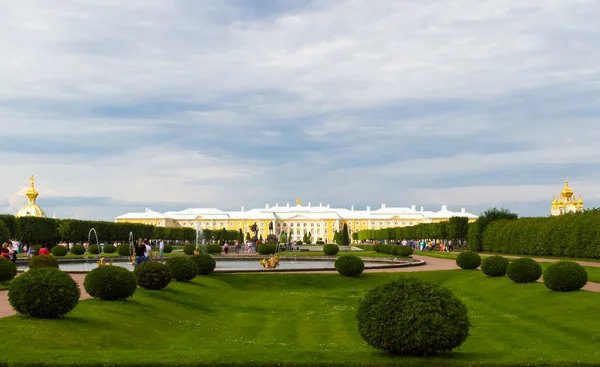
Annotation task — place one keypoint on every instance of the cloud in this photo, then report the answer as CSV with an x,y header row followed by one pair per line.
x,y
239,103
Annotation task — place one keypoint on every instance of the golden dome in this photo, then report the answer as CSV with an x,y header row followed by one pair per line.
x,y
31,209
580,201
567,192
554,201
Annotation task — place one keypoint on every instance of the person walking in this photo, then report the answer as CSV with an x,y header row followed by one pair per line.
x,y
140,254
161,247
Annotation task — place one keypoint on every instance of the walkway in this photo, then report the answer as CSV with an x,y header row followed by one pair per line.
x,y
433,263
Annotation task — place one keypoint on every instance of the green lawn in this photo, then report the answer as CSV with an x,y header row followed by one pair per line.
x,y
302,319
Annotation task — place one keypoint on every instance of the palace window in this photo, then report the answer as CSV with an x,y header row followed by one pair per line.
x,y
318,224
304,224
380,223
389,223
245,223
297,231
239,224
364,223
312,224
349,231
357,223
297,224
325,230
285,224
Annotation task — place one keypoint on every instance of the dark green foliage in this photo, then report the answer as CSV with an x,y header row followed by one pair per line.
x,y
124,250
349,265
395,250
331,249
494,266
320,242
474,237
468,260
214,249
377,248
94,249
43,293
412,317
355,236
189,249
183,268
36,230
43,261
267,248
60,250
565,276
152,275
109,249
8,269
11,224
78,250
458,228
168,248
206,263
345,236
405,251
385,249
4,233
338,237
240,236
110,283
524,270
36,249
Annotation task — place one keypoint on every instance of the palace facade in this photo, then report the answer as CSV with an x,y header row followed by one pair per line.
x,y
566,202
321,221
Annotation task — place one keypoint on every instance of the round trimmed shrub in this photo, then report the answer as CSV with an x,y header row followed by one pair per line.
x,y
60,250
377,248
412,317
494,266
110,283
43,261
468,260
331,249
8,269
565,276
183,269
405,251
524,270
43,293
36,249
206,264
213,249
78,250
189,249
349,265
299,243
267,248
124,250
168,248
109,249
320,242
152,275
395,250
94,249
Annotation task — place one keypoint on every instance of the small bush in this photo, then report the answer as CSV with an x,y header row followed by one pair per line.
x,y
299,243
109,249
565,276
189,249
183,269
213,249
36,249
43,261
94,249
8,269
60,250
349,265
412,317
383,249
152,275
468,260
395,250
206,264
377,248
320,242
124,250
267,248
78,250
494,266
524,270
110,283
43,293
168,248
406,251
331,249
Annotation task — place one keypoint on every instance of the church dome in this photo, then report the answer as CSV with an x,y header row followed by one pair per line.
x,y
31,209
567,192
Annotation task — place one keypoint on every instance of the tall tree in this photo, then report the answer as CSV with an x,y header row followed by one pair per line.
x,y
248,238
307,239
283,237
345,236
240,236
487,217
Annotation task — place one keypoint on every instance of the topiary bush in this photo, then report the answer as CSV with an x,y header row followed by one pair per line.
x,y
349,265
110,283
152,275
206,263
494,266
524,270
213,249
8,269
565,276
109,249
331,249
406,251
412,317
267,248
299,243
43,261
36,249
168,248
43,293
60,250
183,268
468,260
78,250
189,249
124,250
94,249
320,242
377,248
395,250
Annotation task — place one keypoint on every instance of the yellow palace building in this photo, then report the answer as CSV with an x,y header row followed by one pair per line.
x,y
321,221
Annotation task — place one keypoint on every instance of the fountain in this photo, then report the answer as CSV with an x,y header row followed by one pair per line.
x,y
273,262
131,247
97,242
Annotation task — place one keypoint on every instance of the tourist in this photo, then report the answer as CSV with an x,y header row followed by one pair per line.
x,y
226,247
237,247
140,254
148,249
161,247
5,251
44,250
30,251
12,253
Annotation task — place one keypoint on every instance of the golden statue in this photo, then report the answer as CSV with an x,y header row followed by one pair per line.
x,y
298,201
271,263
101,262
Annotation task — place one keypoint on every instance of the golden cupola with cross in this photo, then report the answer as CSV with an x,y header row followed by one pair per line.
x,y
566,202
31,209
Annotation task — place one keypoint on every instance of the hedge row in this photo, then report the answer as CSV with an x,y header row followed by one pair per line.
x,y
455,228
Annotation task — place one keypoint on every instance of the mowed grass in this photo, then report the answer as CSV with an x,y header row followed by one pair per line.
x,y
302,319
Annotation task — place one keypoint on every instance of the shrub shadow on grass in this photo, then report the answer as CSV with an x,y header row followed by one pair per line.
x,y
188,300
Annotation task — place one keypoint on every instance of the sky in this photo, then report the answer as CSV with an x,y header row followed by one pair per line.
x,y
117,106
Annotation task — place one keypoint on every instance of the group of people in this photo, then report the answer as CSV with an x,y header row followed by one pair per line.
x,y
142,250
10,251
